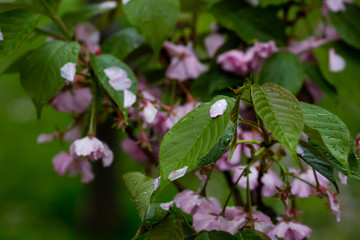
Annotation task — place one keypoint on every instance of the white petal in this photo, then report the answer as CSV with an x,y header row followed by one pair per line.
x,y
150,112
118,78
68,71
156,183
177,173
299,150
218,108
129,98
166,206
336,62
1,36
108,5
343,178
124,2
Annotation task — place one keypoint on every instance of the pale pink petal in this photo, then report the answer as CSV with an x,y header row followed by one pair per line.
x,y
213,42
62,162
253,178
92,148
118,78
334,205
87,33
343,178
108,157
86,171
174,49
177,173
291,231
1,36
150,112
178,112
234,61
336,62
72,134
304,137
335,5
166,206
77,100
218,108
130,147
68,71
108,5
271,182
129,98
299,151
157,183
43,138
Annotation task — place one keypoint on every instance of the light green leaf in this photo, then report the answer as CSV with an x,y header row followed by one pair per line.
x,y
265,3
41,6
40,73
104,61
154,19
16,26
192,137
332,132
346,24
245,20
154,214
170,228
140,189
122,43
284,69
318,164
345,82
281,112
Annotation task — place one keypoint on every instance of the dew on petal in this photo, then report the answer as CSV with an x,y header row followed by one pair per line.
x,y
218,108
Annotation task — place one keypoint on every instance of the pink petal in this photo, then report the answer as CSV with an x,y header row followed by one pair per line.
x,y
1,36
336,62
118,78
72,134
174,49
43,138
335,5
68,71
150,112
334,205
87,33
108,5
156,183
167,206
299,151
130,147
129,98
86,171
218,108
343,178
88,147
213,42
77,100
108,156
271,182
124,2
253,177
62,162
177,173
234,61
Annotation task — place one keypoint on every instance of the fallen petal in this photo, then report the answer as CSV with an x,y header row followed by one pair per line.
x,y
167,206
336,62
68,71
218,108
177,173
129,98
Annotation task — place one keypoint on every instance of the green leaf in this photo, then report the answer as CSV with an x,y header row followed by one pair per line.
x,y
220,147
40,73
346,25
140,188
154,214
345,82
84,14
216,235
318,164
122,43
250,23
104,61
154,19
281,112
192,138
284,69
250,234
329,131
170,228
215,82
265,3
16,26
40,6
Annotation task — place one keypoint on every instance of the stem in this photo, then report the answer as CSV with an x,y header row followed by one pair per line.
x,y
186,91
237,193
60,24
203,189
256,156
42,31
248,194
294,176
316,179
92,127
248,141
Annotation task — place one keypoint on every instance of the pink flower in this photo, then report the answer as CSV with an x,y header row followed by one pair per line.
x,y
178,173
336,5
150,112
68,71
270,181
135,152
304,190
129,98
343,178
44,137
224,165
64,162
184,63
73,133
88,34
166,206
218,108
93,149
258,53
189,202
334,205
213,42
76,100
336,62
234,61
291,231
118,78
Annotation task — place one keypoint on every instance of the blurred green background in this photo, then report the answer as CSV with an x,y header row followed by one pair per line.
x,y
36,203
